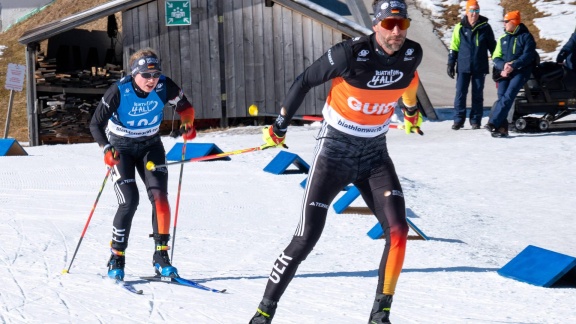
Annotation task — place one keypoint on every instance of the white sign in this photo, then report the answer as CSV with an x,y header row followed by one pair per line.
x,y
15,77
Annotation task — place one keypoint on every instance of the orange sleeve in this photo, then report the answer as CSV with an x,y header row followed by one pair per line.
x,y
409,96
187,115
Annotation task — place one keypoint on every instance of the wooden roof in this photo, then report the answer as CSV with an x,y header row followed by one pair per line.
x,y
56,27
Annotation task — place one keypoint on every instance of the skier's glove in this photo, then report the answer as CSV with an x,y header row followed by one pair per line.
x,y
188,131
412,120
273,138
111,155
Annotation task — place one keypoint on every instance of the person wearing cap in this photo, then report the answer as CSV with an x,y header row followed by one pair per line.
x,y
567,54
369,75
126,125
472,39
515,56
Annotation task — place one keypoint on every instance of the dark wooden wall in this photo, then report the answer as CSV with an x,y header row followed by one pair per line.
x,y
252,57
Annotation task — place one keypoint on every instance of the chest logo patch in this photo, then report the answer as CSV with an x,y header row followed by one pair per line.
x,y
383,79
142,108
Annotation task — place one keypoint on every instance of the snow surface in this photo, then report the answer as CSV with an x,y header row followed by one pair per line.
x,y
480,200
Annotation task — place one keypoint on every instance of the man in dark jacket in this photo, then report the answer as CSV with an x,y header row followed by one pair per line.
x,y
515,56
566,55
472,38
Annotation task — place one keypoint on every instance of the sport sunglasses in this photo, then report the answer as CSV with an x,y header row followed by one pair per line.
x,y
148,75
474,11
389,24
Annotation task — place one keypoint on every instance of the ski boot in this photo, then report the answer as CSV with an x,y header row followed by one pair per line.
x,y
380,313
116,264
161,260
265,312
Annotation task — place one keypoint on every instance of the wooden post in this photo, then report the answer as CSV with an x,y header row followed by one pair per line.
x,y
10,101
359,12
33,131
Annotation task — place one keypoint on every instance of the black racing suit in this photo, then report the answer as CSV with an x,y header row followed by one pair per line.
x,y
129,119
351,148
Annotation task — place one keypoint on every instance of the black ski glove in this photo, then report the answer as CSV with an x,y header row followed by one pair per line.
x,y
451,70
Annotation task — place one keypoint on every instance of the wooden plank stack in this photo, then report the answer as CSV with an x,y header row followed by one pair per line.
x,y
65,119
67,100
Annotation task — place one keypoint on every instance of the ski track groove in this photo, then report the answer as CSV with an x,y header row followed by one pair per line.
x,y
10,264
66,257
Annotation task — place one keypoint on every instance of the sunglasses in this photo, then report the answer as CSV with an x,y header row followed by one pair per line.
x,y
148,75
389,24
506,21
474,10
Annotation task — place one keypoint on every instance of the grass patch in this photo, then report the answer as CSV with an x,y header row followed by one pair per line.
x,y
15,53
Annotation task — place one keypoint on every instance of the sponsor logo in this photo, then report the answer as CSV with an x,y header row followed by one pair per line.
x,y
118,234
362,55
125,131
330,57
319,204
343,123
105,103
383,79
371,108
279,267
409,51
148,61
397,193
140,109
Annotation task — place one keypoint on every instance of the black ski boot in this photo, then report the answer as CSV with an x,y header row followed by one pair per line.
x,y
161,260
116,264
265,312
380,313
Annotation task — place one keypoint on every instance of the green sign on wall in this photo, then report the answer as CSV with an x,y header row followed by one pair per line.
x,y
178,13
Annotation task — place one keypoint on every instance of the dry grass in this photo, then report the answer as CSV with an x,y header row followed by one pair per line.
x,y
529,13
15,53
453,13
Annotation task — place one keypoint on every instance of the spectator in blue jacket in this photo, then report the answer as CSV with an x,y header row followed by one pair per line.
x,y
566,55
515,56
472,39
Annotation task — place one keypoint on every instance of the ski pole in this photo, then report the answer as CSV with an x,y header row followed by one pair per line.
x,y
88,221
295,117
151,166
253,111
178,200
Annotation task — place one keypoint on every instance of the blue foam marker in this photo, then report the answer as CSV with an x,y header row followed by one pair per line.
x,y
194,150
283,160
538,266
11,147
341,204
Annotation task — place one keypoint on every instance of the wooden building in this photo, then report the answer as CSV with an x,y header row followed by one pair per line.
x,y
233,53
